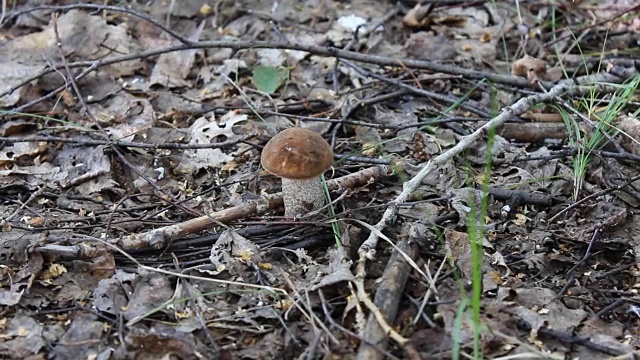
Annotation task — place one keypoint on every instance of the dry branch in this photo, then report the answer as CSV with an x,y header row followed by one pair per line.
x,y
367,249
387,299
161,237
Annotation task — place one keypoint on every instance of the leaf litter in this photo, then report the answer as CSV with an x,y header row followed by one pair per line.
x,y
138,223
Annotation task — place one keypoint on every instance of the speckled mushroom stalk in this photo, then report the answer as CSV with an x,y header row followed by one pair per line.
x,y
302,196
299,156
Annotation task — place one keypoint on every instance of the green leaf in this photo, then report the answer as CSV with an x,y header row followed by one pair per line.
x,y
268,78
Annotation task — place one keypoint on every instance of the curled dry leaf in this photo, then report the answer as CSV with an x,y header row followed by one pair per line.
x,y
21,150
630,128
532,68
417,18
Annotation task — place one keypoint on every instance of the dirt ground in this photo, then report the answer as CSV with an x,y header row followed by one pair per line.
x,y
483,193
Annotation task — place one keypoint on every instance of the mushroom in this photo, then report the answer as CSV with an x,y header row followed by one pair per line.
x,y
299,156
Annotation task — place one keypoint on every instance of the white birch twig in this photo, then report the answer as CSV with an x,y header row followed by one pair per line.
x,y
367,249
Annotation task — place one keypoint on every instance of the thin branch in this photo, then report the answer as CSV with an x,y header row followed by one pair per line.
x,y
103,132
130,144
126,10
367,249
312,49
161,237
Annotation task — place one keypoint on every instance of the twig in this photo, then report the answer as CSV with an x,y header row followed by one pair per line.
x,y
191,300
587,253
333,323
307,309
363,297
312,49
361,159
593,125
13,140
103,132
569,338
387,298
367,249
574,150
161,237
431,279
143,16
36,194
415,90
270,289
593,196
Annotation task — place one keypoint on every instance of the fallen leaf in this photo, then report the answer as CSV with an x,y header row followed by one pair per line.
x,y
533,69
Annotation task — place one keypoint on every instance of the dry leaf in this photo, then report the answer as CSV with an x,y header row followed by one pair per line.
x,y
532,68
630,128
418,16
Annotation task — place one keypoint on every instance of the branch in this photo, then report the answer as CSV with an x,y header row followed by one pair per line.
x,y
161,237
367,249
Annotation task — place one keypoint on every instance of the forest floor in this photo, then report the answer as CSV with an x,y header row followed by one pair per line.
x,y
484,191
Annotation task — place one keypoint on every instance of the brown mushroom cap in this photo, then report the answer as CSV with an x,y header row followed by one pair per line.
x,y
297,153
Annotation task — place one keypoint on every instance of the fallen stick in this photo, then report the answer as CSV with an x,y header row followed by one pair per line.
x,y
387,299
161,237
367,249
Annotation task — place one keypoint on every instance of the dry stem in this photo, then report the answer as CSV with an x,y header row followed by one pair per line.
x,y
159,238
367,249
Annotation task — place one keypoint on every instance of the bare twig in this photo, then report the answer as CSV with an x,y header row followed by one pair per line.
x,y
159,238
367,249
379,317
387,298
103,132
130,144
415,90
312,49
126,10
36,194
335,324
593,196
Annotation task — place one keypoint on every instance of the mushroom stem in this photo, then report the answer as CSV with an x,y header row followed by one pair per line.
x,y
302,196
